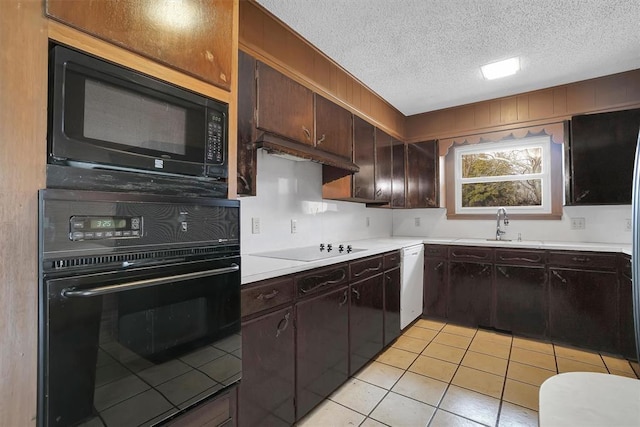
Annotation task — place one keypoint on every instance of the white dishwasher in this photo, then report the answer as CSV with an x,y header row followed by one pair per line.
x,y
412,285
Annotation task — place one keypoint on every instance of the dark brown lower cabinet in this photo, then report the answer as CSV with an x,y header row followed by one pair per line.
x,y
391,305
521,299
322,347
365,321
625,302
470,293
435,287
583,308
268,370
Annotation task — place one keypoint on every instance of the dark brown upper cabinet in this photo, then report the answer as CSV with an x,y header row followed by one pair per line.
x,y
364,157
600,157
201,47
284,107
384,159
422,175
334,131
246,125
398,172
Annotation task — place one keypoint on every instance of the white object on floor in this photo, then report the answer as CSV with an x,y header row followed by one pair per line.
x,y
589,399
411,275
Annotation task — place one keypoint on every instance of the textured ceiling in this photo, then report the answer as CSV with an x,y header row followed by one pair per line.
x,y
424,55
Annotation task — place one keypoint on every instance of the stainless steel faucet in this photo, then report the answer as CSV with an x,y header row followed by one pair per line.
x,y
502,212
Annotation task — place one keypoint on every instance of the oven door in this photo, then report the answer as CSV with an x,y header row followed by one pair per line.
x,y
137,346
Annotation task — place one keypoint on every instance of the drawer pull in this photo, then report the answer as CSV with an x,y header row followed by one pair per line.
x,y
356,293
506,258
581,259
559,276
343,275
268,296
463,255
366,270
281,327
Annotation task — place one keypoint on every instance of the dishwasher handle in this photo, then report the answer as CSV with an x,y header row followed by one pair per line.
x,y
139,284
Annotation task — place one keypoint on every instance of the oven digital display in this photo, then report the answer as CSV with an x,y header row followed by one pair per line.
x,y
110,223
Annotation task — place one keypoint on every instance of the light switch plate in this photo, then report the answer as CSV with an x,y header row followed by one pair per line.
x,y
294,226
577,223
255,225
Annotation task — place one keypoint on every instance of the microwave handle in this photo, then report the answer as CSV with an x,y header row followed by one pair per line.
x,y
139,284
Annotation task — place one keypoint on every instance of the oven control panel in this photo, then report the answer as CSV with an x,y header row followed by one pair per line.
x,y
104,227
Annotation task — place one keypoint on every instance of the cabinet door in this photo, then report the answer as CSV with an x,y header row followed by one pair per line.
x,y
144,26
398,198
247,163
384,158
627,334
391,305
268,367
601,153
322,347
422,175
333,128
435,287
583,308
521,300
364,157
366,323
469,293
285,107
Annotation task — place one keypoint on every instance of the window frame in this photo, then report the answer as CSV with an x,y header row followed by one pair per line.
x,y
542,142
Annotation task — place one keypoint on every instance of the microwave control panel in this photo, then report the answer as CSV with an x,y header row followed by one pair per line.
x,y
215,137
104,227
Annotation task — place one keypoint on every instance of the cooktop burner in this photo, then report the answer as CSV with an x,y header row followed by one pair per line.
x,y
311,253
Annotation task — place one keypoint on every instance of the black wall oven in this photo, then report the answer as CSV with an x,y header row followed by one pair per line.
x,y
139,306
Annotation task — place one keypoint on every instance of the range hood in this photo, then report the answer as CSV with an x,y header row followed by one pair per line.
x,y
338,167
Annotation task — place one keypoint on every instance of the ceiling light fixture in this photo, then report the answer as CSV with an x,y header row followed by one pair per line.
x,y
499,69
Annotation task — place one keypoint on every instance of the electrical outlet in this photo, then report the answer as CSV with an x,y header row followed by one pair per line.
x,y
368,222
255,225
627,224
577,223
416,221
294,226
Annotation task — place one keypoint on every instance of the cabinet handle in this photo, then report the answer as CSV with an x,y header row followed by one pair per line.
x,y
325,283
356,293
379,192
506,258
456,255
306,133
281,327
357,191
484,270
559,276
583,195
437,267
502,271
344,299
366,270
268,296
321,140
581,259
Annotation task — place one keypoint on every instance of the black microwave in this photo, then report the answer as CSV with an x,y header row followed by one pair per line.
x,y
104,116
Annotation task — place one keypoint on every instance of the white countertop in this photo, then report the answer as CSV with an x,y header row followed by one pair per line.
x,y
256,268
589,399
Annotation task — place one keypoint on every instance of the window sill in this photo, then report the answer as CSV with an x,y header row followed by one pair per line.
x,y
525,217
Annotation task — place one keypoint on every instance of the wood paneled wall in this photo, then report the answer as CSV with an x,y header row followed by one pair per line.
x,y
614,92
23,108
268,39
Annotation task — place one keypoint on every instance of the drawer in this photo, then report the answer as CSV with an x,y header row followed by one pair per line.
x,y
367,267
391,260
520,257
584,260
321,279
472,254
435,251
266,294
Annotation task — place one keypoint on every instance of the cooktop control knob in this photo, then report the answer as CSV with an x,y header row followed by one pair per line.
x,y
341,248
321,247
349,248
329,247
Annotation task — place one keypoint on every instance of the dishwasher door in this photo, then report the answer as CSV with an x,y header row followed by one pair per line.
x,y
412,284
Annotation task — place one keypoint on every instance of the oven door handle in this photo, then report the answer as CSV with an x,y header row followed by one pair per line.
x,y
139,284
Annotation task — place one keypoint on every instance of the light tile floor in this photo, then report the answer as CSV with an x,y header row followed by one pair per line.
x,y
439,374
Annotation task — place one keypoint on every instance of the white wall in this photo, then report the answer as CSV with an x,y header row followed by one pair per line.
x,y
289,190
603,224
